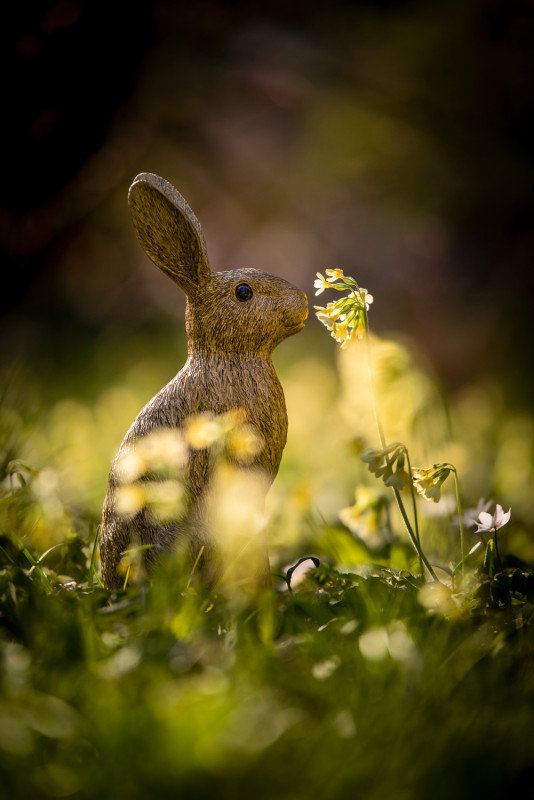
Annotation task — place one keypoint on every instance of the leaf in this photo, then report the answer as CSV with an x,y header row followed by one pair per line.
x,y
475,547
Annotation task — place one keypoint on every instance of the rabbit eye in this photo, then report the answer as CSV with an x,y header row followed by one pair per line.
x,y
243,292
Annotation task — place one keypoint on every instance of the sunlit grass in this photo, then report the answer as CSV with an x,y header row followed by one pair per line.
x,y
356,676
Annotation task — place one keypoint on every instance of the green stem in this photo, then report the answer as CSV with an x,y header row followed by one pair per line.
x,y
411,534
381,435
414,537
35,564
415,517
460,519
125,584
497,550
195,565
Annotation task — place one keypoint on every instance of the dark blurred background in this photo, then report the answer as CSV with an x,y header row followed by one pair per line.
x,y
392,139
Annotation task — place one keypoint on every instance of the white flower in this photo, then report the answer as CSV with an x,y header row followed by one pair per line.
x,y
470,515
334,275
487,522
320,284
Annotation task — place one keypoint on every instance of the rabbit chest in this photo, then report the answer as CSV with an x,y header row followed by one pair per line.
x,y
220,384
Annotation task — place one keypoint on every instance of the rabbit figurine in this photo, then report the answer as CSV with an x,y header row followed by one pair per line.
x,y
234,320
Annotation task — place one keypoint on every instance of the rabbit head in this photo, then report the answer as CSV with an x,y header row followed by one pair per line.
x,y
233,312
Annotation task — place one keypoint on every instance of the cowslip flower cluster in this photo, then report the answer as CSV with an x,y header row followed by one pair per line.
x,y
428,482
346,318
389,465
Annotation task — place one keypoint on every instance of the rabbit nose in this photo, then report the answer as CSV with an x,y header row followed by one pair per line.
x,y
297,312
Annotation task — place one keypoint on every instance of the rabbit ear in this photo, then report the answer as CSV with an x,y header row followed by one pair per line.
x,y
168,231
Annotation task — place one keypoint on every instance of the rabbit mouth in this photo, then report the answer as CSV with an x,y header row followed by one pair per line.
x,y
298,327
294,328
295,317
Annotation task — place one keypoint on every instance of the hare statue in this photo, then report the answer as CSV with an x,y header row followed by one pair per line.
x,y
234,320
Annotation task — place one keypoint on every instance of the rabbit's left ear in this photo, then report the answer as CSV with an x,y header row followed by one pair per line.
x,y
168,231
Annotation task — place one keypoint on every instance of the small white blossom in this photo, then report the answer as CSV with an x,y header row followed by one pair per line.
x,y
487,522
320,284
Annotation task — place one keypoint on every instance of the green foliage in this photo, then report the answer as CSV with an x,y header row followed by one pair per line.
x,y
349,681
356,676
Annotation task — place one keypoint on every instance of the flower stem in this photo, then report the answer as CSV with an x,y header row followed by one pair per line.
x,y
418,549
497,551
414,509
460,515
414,537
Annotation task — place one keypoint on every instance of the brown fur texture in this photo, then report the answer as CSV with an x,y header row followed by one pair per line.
x,y
229,367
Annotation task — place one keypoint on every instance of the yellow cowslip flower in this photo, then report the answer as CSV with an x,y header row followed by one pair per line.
x,y
345,318
244,443
233,419
388,464
325,318
320,283
352,327
428,481
334,275
374,458
334,310
201,430
366,298
329,315
340,332
131,466
359,328
129,499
